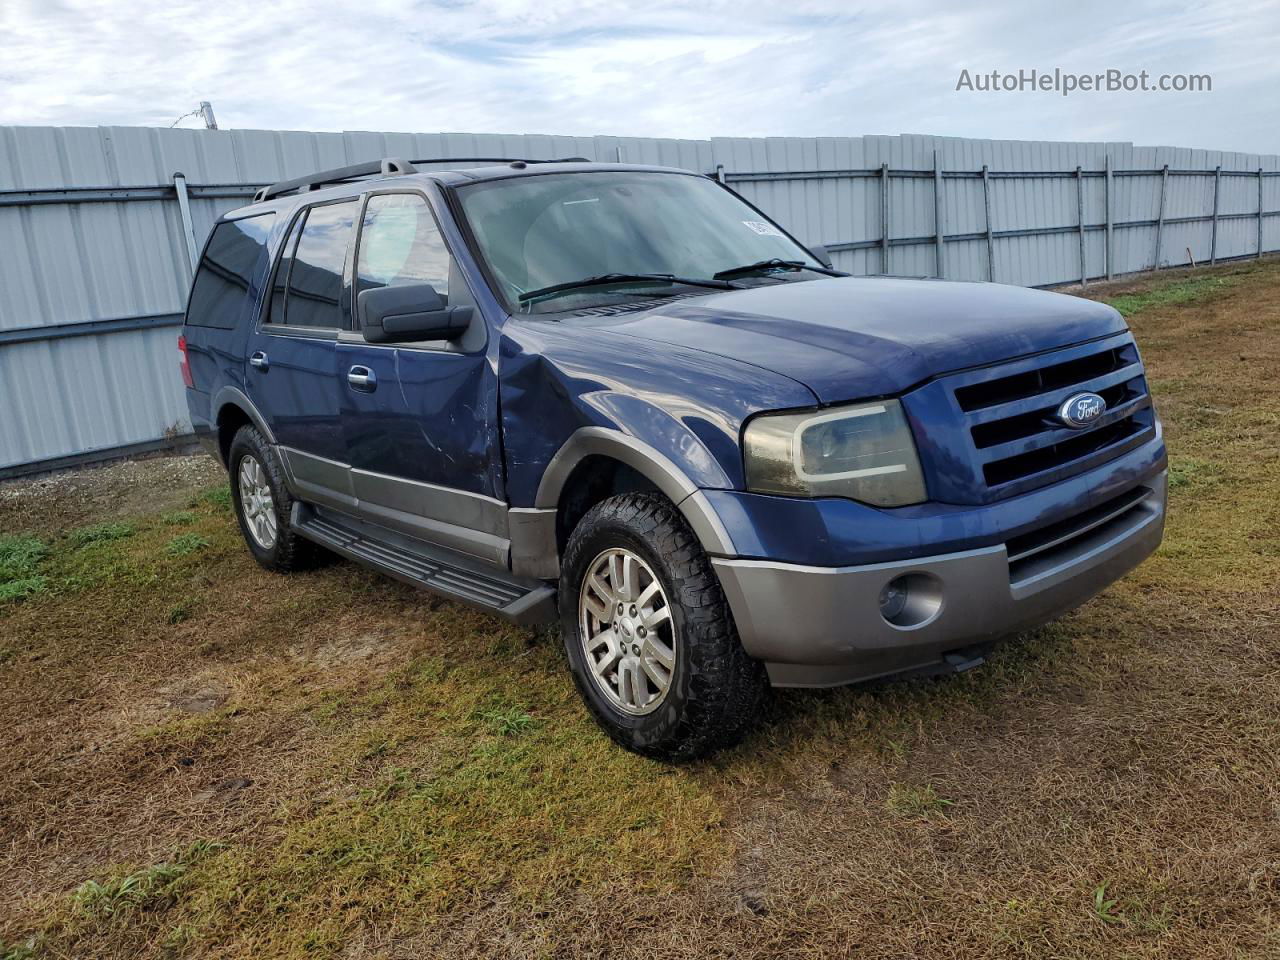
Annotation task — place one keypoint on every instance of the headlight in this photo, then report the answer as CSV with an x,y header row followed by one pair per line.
x,y
863,452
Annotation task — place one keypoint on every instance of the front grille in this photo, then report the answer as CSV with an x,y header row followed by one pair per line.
x,y
1009,412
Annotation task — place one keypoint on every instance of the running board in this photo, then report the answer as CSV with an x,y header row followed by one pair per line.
x,y
429,567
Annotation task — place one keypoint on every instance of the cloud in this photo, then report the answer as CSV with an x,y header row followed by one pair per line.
x,y
713,68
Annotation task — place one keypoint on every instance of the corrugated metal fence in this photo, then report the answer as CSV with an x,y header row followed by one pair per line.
x,y
98,228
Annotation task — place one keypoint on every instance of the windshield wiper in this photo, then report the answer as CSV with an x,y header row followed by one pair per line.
x,y
607,278
775,263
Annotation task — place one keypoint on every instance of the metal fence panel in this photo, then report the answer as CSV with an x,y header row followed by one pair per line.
x,y
96,264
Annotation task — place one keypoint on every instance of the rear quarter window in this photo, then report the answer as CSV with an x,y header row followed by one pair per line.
x,y
231,273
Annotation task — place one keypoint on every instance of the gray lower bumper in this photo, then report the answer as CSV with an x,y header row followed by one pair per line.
x,y
822,626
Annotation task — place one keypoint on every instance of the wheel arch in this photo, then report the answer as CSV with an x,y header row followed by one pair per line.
x,y
634,463
232,410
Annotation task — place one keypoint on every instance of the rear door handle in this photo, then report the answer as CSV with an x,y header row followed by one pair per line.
x,y
259,360
362,379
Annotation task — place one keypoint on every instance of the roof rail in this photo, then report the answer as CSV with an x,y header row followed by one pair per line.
x,y
500,160
386,167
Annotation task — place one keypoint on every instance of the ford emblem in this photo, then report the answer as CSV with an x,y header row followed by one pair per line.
x,y
1080,410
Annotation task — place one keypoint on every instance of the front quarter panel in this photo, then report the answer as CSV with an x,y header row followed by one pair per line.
x,y
686,405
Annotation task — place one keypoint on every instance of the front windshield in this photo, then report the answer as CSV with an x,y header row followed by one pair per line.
x,y
538,231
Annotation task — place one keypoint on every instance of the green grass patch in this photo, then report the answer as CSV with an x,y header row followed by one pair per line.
x,y
218,497
19,559
20,589
507,722
909,801
185,545
102,533
1189,471
179,518
18,951
19,556
1173,293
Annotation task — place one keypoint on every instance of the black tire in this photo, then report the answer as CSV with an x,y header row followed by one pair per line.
x,y
289,552
716,690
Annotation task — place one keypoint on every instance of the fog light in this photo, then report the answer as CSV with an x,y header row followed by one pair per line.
x,y
893,598
911,600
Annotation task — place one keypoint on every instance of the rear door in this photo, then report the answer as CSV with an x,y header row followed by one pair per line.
x,y
420,418
291,375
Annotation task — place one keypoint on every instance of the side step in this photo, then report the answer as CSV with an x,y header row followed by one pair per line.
x,y
424,565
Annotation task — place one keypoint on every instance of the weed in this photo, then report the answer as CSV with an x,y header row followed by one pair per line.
x,y
186,544
1105,908
179,518
179,614
102,533
116,895
910,801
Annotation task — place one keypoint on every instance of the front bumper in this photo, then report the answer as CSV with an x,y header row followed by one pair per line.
x,y
822,626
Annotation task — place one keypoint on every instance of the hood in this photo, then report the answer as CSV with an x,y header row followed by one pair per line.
x,y
854,337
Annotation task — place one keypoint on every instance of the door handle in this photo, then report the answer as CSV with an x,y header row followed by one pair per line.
x,y
259,360
362,379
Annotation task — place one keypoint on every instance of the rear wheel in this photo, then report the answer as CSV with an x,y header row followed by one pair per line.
x,y
262,504
649,635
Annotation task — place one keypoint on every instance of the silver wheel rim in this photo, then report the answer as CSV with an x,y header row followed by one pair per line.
x,y
257,504
627,634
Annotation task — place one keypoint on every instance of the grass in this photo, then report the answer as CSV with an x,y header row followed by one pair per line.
x,y
1178,292
388,775
915,801
186,544
101,533
19,560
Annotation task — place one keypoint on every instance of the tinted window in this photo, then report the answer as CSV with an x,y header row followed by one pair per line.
x,y
231,273
315,273
281,281
399,244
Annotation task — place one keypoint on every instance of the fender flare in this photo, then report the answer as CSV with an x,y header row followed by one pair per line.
x,y
235,397
649,463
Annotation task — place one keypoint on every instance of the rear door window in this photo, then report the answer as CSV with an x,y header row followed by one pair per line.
x,y
231,273
308,286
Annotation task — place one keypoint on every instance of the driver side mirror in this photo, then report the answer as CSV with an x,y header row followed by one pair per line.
x,y
410,313
820,254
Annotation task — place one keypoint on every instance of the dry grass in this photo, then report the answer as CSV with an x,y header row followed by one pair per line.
x,y
201,759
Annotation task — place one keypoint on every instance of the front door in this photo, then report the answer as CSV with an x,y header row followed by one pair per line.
x,y
420,419
292,374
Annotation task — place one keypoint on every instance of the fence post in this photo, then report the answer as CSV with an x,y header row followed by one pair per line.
x,y
1109,253
884,218
184,211
986,205
1213,237
1259,213
939,226
1084,271
1164,186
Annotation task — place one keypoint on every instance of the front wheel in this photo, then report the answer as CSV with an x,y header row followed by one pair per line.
x,y
649,635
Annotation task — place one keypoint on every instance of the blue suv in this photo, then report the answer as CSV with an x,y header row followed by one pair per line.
x,y
623,397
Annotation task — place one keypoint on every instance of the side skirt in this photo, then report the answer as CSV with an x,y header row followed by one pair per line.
x,y
445,572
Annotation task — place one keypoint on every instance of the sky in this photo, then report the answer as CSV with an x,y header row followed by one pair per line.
x,y
656,69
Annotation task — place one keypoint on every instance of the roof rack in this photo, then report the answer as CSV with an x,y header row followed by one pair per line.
x,y
501,160
386,167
